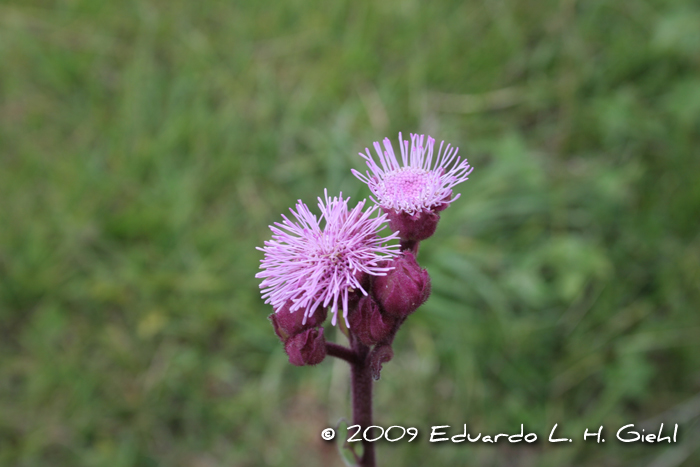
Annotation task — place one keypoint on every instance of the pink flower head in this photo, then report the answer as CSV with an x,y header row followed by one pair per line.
x,y
313,267
420,184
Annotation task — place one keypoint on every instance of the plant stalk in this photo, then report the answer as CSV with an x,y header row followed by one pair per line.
x,y
361,377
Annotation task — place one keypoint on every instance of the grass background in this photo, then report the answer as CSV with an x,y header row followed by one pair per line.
x,y
145,146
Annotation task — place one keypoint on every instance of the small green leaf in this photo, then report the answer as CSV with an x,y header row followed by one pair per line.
x,y
351,453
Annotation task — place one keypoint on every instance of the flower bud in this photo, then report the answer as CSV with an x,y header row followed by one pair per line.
x,y
307,348
404,288
414,227
288,324
369,324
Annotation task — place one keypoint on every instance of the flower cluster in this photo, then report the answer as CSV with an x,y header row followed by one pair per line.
x,y
340,261
414,192
313,267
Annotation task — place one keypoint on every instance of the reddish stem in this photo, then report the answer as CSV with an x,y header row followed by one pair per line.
x,y
339,351
409,245
362,398
361,376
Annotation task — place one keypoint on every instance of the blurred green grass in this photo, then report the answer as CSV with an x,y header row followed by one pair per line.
x,y
146,146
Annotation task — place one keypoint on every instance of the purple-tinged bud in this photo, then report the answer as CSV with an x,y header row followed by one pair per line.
x,y
307,348
414,227
369,324
287,324
404,288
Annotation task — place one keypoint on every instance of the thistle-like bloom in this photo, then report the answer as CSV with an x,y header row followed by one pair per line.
x,y
313,267
419,184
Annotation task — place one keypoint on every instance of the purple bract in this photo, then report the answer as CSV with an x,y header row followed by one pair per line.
x,y
313,267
